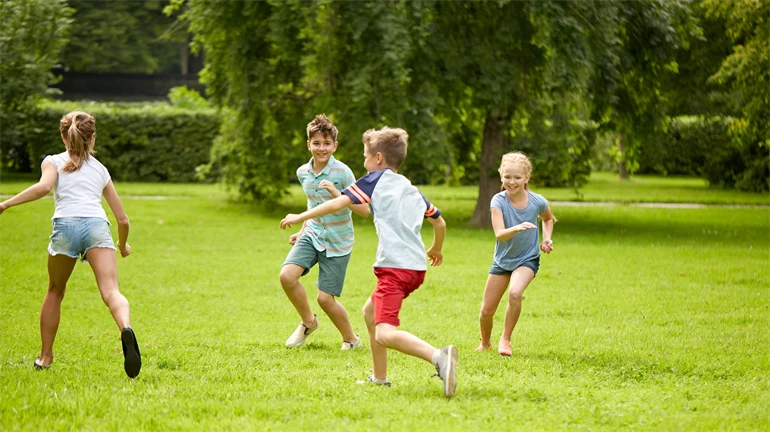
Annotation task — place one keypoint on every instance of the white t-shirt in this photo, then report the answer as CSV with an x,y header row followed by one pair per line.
x,y
398,209
79,193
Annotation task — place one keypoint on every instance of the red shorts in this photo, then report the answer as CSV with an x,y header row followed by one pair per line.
x,y
393,286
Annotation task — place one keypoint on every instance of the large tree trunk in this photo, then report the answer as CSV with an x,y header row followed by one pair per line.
x,y
622,171
493,146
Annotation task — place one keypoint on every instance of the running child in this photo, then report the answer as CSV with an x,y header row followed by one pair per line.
x,y
326,240
400,266
81,230
517,258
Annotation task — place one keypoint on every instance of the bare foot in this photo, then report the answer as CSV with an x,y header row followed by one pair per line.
x,y
504,348
483,347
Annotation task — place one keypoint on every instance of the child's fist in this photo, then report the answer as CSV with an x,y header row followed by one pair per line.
x,y
546,246
329,186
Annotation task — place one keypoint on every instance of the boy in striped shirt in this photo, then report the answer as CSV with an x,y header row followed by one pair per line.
x,y
325,240
399,210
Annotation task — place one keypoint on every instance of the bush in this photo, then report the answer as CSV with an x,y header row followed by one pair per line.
x,y
718,149
135,141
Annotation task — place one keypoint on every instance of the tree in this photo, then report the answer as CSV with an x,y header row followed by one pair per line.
x,y
747,70
122,36
31,36
537,51
632,63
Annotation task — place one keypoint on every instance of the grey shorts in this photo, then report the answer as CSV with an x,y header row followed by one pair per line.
x,y
331,270
75,236
533,264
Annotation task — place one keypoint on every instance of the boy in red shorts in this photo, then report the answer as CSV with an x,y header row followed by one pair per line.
x,y
398,209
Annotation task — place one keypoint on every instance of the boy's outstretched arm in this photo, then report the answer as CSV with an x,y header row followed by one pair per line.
x,y
43,187
362,210
324,209
439,232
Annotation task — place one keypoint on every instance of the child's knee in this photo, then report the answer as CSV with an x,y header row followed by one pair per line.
x,y
325,300
515,296
487,311
287,279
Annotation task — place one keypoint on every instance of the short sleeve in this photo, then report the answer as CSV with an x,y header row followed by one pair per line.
x,y
361,191
497,202
542,204
49,159
106,175
431,211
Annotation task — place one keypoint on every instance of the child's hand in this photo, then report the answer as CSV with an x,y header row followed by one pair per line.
x,y
294,237
290,220
125,250
436,257
329,186
524,226
546,246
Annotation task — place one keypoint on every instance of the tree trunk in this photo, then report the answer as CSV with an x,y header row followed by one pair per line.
x,y
622,171
493,146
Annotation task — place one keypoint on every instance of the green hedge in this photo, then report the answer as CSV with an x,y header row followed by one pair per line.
x,y
135,141
714,148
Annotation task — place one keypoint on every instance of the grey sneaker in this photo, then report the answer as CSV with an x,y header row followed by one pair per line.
x,y
372,380
301,333
347,346
446,369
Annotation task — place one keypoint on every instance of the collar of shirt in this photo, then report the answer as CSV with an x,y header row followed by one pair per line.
x,y
327,169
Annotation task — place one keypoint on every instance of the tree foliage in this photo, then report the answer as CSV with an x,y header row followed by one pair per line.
x,y
468,80
122,36
31,35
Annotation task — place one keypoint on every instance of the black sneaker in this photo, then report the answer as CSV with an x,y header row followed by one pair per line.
x,y
133,360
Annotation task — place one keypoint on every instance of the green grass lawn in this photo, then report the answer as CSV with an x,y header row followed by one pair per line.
x,y
642,319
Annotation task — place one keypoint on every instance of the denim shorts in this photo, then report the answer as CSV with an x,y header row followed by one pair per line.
x,y
331,273
533,264
74,236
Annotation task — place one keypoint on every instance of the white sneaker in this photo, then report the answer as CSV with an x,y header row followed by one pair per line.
x,y
446,369
347,346
301,333
372,380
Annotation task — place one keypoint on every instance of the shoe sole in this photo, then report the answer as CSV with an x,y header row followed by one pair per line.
x,y
133,361
451,372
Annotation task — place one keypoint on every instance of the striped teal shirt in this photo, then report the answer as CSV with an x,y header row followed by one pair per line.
x,y
334,232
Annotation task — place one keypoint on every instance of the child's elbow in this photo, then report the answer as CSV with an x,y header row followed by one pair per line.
x,y
123,221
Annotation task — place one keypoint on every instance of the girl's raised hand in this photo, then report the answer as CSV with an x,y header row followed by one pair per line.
x,y
524,226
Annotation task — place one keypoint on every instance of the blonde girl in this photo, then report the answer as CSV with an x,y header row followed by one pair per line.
x,y
81,230
514,219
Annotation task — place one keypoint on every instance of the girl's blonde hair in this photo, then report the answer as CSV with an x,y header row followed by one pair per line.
x,y
79,130
516,157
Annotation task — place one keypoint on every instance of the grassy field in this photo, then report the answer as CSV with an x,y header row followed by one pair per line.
x,y
642,319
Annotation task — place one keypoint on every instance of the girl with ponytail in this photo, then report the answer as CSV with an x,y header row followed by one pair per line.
x,y
81,230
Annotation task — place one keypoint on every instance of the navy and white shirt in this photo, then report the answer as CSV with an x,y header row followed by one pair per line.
x,y
398,209
522,247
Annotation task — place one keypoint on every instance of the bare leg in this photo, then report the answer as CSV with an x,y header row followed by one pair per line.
x,y
493,292
520,279
59,270
337,314
105,267
390,336
379,352
290,274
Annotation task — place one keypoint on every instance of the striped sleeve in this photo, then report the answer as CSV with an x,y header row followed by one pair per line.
x,y
431,210
361,191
